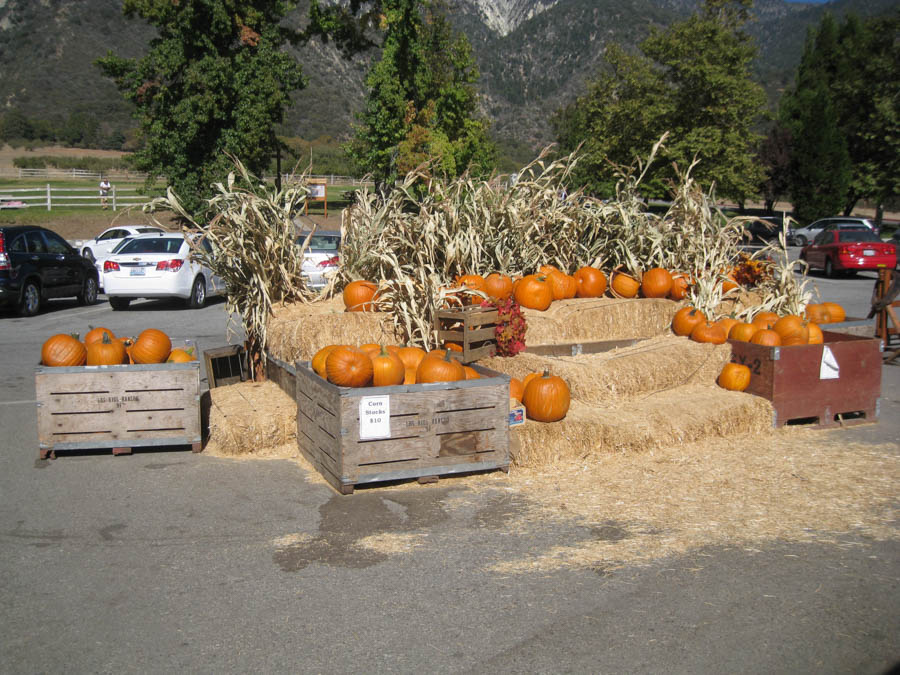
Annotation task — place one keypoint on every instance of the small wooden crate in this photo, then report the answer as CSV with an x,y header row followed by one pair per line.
x,y
472,328
118,407
790,378
434,429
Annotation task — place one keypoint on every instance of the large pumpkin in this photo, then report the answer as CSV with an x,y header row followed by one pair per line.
x,y
712,333
734,377
624,285
440,369
742,331
63,350
387,369
96,335
106,352
151,346
562,285
318,360
686,319
348,367
533,292
590,282
765,319
546,398
411,356
656,283
498,286
766,337
792,329
836,312
359,296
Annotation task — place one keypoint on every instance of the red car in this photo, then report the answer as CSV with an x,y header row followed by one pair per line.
x,y
841,249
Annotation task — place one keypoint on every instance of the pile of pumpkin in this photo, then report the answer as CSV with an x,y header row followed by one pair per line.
x,y
537,291
102,348
545,397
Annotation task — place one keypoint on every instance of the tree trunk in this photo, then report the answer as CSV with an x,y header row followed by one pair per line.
x,y
852,199
254,353
769,205
879,214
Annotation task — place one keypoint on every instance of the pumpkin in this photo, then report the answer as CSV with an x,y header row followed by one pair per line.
x,y
686,319
727,322
742,331
766,337
528,378
474,282
387,369
729,283
359,296
96,335
624,285
181,356
63,350
546,398
818,313
533,292
452,346
471,373
409,376
734,377
680,285
151,346
765,319
411,356
562,285
106,352
348,367
545,270
129,344
371,348
590,282
836,312
498,286
656,283
712,333
792,330
516,388
816,337
318,360
434,369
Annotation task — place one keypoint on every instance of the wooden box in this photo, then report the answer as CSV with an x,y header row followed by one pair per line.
x,y
118,407
470,327
428,430
838,382
225,365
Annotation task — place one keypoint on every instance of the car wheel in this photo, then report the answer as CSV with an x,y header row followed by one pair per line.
x,y
829,269
198,294
89,255
88,294
118,304
31,299
800,240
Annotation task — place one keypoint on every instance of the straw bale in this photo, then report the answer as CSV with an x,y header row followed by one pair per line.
x,y
665,418
297,331
650,365
594,319
250,418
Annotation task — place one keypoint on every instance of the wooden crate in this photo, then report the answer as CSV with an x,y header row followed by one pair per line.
x,y
434,429
472,327
791,378
118,407
225,365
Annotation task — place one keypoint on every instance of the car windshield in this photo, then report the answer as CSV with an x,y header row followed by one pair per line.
x,y
160,245
321,242
118,247
148,230
857,235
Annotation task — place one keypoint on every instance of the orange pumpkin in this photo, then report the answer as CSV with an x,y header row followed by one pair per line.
x,y
546,398
387,369
533,292
562,285
96,335
836,312
766,337
348,367
106,352
818,313
816,337
181,356
474,282
471,373
792,330
680,286
545,270
734,377
589,282
411,356
711,333
686,319
765,319
151,346
498,286
656,283
516,388
318,360
624,285
371,348
63,350
360,296
742,331
434,369
727,322
452,346
729,283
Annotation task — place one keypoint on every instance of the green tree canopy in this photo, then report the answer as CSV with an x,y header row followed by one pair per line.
x,y
692,80
216,80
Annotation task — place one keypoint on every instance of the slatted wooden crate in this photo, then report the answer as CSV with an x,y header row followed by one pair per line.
x,y
791,378
470,327
433,429
118,407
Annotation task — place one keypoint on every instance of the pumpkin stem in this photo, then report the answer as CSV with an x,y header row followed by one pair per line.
x,y
546,372
106,339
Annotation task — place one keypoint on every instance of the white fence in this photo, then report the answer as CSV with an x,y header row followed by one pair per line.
x,y
50,197
133,176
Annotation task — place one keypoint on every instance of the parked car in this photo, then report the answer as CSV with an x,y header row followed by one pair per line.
x,y
159,265
37,264
843,249
103,244
764,229
803,235
321,257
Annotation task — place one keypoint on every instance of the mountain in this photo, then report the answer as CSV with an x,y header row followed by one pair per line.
x,y
534,55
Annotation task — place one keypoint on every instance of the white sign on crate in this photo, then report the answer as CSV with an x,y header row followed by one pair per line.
x,y
374,417
829,368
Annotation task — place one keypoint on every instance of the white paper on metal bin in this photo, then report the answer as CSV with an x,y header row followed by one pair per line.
x,y
829,369
374,417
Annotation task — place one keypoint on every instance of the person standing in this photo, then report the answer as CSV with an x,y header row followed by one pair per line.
x,y
105,187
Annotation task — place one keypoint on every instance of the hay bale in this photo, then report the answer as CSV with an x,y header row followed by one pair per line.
x,y
648,366
663,419
251,418
596,319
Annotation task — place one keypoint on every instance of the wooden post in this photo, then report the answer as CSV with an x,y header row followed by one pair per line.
x,y
48,196
113,190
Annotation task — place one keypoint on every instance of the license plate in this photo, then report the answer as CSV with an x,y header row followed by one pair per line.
x,y
868,251
137,271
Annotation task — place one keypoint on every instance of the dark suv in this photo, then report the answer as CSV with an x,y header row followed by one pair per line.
x,y
37,264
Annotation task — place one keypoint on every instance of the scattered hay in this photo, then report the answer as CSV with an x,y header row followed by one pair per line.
x,y
389,543
596,319
251,418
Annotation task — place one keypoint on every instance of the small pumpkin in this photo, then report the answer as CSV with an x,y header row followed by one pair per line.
x,y
742,331
435,369
533,292
96,335
474,282
546,398
816,337
348,366
318,360
181,355
63,350
590,282
387,369
765,319
729,283
106,352
411,356
562,285
516,388
409,376
151,346
360,296
792,329
680,286
711,333
623,285
452,346
836,312
766,337
727,322
656,283
371,348
471,373
734,377
686,319
818,313
498,286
